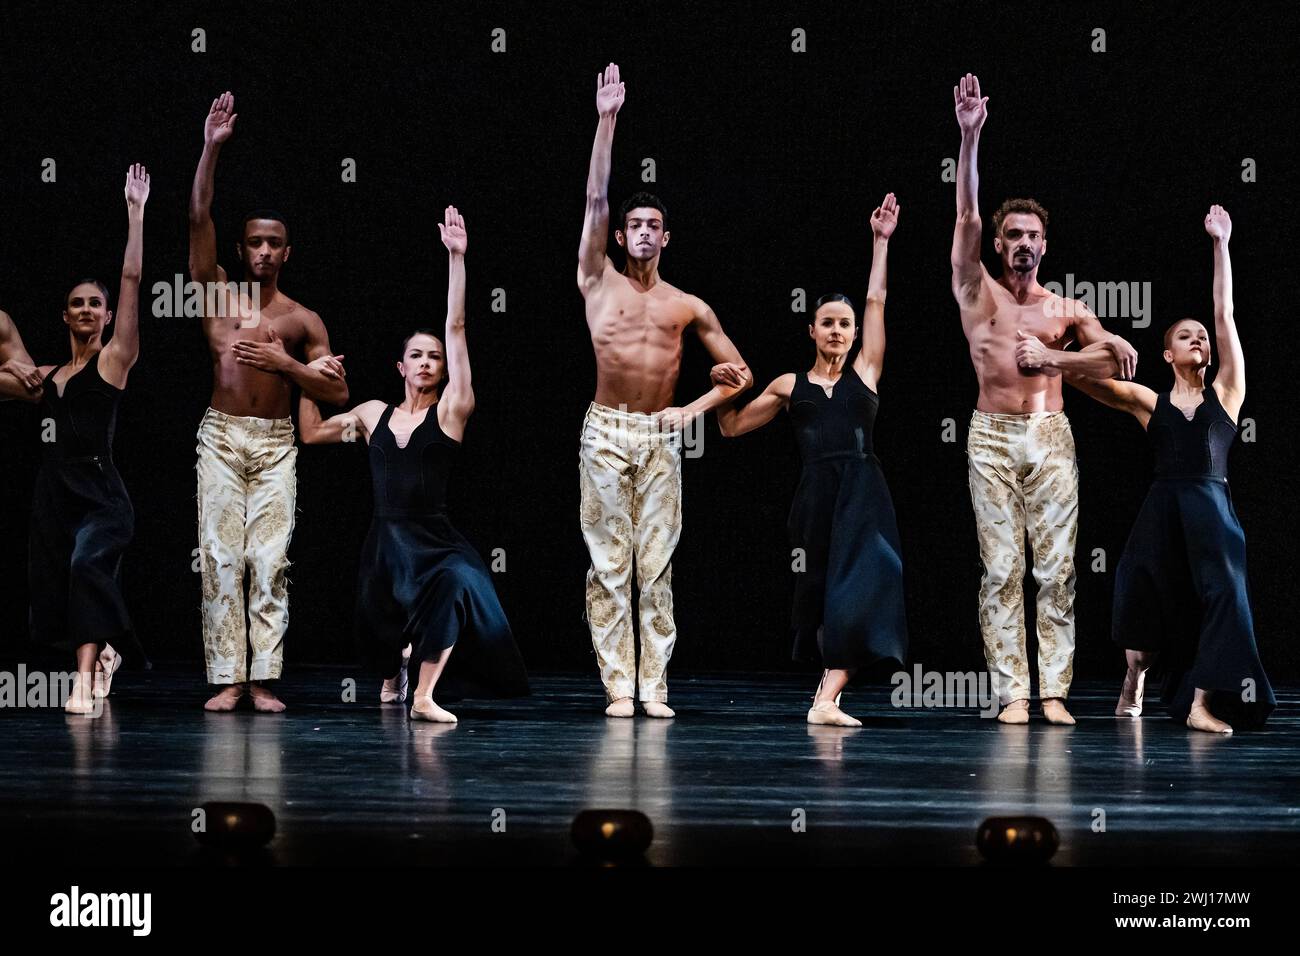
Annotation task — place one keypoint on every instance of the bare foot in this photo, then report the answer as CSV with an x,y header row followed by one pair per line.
x,y
106,666
1055,712
1200,718
620,708
264,700
425,709
826,712
225,699
1130,695
1016,712
82,699
654,708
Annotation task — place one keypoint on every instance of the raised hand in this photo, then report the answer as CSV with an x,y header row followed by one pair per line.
x,y
1218,223
220,124
972,109
137,187
452,230
609,91
885,219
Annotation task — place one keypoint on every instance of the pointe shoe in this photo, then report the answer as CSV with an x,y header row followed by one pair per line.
x,y
425,709
620,708
1055,712
225,700
264,700
1016,712
1130,694
654,708
1201,719
104,674
826,712
81,703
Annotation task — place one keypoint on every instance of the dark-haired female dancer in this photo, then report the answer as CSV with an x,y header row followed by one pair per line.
x,y
423,590
848,604
82,519
1180,588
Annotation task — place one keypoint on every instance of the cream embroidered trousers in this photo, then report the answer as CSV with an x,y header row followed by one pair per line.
x,y
246,491
631,481
1024,478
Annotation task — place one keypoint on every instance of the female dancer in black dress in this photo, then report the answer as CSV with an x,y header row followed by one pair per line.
x,y
1180,588
423,589
848,604
82,518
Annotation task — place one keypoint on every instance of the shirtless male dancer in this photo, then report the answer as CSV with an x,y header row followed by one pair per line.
x,y
1020,450
246,479
630,455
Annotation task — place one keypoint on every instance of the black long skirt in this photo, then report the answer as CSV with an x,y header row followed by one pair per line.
x,y
82,522
421,583
1181,589
848,603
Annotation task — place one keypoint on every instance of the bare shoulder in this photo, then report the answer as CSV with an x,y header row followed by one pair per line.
x,y
370,413
783,385
588,284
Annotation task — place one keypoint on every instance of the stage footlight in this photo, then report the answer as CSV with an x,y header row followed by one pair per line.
x,y
1019,840
236,826
612,834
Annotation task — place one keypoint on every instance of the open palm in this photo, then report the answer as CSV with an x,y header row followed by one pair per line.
x,y
452,230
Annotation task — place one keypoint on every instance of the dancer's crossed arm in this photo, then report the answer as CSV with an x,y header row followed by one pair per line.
x,y
19,376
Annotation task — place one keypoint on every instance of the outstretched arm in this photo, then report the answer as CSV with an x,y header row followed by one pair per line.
x,y
19,377
1138,400
345,427
972,110
459,392
760,411
217,128
595,223
1230,383
871,356
123,348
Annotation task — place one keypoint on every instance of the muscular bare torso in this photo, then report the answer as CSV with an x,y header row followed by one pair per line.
x,y
990,322
637,337
242,389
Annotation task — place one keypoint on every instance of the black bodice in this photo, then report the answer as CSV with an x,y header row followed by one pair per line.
x,y
834,426
84,416
1191,449
412,481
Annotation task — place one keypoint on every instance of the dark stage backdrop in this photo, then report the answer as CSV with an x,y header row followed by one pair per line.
x,y
770,162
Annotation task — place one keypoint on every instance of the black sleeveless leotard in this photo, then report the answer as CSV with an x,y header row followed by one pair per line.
x,y
82,520
848,603
421,583
1180,587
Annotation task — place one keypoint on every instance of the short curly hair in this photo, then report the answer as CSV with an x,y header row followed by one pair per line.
x,y
1019,205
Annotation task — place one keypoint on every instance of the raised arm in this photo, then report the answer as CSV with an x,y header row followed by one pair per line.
x,y
758,412
871,356
217,128
345,427
1230,383
19,376
595,223
972,110
459,392
122,350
